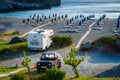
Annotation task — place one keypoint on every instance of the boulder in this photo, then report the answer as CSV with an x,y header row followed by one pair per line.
x,y
86,46
16,40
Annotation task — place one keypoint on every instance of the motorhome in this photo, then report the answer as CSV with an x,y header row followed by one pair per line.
x,y
40,39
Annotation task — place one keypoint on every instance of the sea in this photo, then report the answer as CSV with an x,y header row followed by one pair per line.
x,y
75,7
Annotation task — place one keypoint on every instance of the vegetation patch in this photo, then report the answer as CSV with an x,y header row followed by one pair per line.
x,y
61,41
55,74
90,78
109,40
110,44
36,76
19,76
5,78
10,33
6,49
5,69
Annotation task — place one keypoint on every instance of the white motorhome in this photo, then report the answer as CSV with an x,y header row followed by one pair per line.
x,y
40,39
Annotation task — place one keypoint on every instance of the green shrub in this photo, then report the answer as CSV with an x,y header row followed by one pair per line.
x,y
109,40
61,41
11,33
55,74
38,77
43,77
5,50
6,69
5,47
15,33
34,77
19,76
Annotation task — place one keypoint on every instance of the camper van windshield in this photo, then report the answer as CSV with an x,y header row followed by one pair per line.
x,y
48,57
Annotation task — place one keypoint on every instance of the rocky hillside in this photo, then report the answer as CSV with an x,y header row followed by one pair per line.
x,y
14,5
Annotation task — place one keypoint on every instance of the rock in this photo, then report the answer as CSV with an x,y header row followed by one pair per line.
x,y
86,46
16,40
14,5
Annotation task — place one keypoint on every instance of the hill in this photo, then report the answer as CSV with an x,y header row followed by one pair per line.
x,y
15,5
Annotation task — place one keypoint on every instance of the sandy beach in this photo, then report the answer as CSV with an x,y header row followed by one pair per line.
x,y
96,64
12,24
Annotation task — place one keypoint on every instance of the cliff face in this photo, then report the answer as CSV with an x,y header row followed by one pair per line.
x,y
14,5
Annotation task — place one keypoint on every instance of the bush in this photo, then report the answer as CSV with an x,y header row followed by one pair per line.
x,y
109,40
9,48
43,77
55,74
19,76
61,41
39,77
15,33
5,51
6,69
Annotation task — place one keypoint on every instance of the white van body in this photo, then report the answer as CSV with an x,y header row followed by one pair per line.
x,y
40,39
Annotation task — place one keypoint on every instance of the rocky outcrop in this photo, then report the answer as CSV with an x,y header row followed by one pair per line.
x,y
16,40
15,5
50,2
86,46
110,44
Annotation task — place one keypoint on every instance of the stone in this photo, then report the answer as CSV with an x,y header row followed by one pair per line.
x,y
86,46
16,40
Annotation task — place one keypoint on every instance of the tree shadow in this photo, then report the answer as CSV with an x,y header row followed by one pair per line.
x,y
113,72
101,57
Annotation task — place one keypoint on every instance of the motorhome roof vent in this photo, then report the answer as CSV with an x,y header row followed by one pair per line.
x,y
39,30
